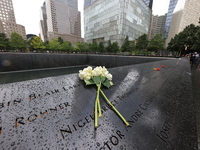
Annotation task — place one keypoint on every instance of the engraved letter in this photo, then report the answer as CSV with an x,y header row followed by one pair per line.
x,y
119,134
19,120
68,131
1,105
115,138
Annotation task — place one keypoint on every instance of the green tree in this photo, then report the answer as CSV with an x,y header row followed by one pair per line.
x,y
186,41
176,43
54,45
93,47
4,42
142,42
60,40
126,45
101,47
36,43
156,43
67,46
109,47
81,46
17,42
115,47
132,45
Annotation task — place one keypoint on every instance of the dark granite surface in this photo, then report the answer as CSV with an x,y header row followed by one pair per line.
x,y
57,112
195,75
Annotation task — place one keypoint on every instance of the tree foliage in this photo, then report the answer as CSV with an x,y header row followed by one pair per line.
x,y
109,47
156,43
142,42
54,44
101,47
60,40
17,42
67,46
81,47
4,42
187,40
36,43
94,46
126,45
115,47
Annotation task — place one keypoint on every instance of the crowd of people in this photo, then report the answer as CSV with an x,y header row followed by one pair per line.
x,y
194,58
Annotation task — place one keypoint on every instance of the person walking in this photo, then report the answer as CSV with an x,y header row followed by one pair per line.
x,y
197,57
192,59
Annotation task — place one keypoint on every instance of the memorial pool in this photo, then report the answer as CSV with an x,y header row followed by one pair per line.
x,y
24,75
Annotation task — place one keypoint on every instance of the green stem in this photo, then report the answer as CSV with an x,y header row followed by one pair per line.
x,y
98,101
118,113
95,115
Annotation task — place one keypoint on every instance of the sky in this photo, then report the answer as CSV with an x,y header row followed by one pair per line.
x,y
27,13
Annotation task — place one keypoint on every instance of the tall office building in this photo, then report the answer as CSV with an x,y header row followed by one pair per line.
x,y
116,19
60,18
157,25
149,3
7,20
185,13
88,3
171,8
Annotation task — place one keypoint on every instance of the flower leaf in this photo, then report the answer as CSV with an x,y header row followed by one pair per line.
x,y
107,83
111,83
103,78
89,82
96,79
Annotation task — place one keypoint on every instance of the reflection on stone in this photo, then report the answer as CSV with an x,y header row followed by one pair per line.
x,y
57,112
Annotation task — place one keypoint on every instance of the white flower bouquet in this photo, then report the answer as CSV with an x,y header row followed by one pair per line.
x,y
99,76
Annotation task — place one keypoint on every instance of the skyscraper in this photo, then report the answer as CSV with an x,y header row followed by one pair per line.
x,y
171,8
116,19
88,3
185,13
157,25
149,3
60,18
7,20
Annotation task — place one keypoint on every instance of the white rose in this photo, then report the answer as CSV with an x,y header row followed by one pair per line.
x,y
104,71
97,71
109,76
87,77
86,73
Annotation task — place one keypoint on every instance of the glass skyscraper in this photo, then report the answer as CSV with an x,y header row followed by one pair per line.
x,y
171,8
88,3
149,3
116,19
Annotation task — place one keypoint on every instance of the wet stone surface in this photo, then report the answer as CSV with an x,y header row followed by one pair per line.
x,y
58,112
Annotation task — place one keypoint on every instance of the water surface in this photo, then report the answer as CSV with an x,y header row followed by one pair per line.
x,y
24,75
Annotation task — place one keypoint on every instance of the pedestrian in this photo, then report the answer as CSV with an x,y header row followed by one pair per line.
x,y
197,57
192,59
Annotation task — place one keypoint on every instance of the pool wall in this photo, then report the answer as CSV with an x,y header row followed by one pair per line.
x,y
27,61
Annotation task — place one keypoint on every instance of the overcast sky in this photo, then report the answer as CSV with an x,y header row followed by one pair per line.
x,y
27,12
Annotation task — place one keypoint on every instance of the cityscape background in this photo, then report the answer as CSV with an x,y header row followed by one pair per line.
x,y
27,13
98,24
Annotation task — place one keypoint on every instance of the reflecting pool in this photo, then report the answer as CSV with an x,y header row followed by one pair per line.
x,y
23,75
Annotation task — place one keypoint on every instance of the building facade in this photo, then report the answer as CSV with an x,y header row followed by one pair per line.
x,y
7,20
149,3
88,3
60,18
157,25
172,5
116,19
185,13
